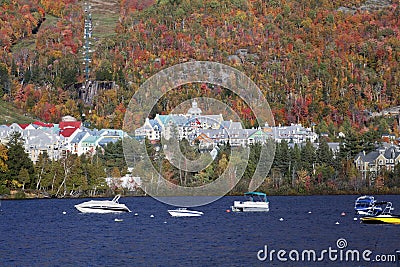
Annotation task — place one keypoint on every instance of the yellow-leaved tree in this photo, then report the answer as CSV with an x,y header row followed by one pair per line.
x,y
3,158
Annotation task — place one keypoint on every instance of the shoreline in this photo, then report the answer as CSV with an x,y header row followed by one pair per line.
x,y
17,195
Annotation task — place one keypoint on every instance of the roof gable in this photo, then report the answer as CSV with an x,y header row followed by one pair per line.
x,y
67,132
70,124
42,124
23,125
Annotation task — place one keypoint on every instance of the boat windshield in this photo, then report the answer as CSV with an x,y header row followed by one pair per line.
x,y
116,198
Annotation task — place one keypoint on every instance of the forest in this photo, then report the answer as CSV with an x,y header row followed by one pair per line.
x,y
325,64
313,61
295,170
71,176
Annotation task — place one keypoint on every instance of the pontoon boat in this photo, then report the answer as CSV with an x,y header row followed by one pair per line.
x,y
257,201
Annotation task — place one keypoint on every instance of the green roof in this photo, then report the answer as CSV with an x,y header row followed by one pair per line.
x,y
90,139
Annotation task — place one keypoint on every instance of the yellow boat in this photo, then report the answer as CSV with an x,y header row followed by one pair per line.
x,y
386,217
381,219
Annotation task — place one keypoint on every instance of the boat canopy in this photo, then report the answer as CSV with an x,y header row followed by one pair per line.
x,y
258,195
255,194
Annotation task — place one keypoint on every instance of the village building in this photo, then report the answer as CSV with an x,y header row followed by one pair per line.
x,y
69,136
209,131
383,158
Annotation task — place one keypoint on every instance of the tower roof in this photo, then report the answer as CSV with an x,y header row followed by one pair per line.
x,y
194,110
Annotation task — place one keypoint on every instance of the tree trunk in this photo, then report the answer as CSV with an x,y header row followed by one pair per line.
x,y
40,178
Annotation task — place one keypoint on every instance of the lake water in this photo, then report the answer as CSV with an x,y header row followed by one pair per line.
x,y
38,233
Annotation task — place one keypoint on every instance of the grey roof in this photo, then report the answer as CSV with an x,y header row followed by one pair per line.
x,y
178,119
111,132
231,125
226,124
78,137
391,153
371,156
236,125
208,119
334,145
4,131
389,145
154,123
107,140
39,139
214,133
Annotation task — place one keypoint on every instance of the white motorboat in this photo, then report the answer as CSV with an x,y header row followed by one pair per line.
x,y
184,212
102,206
257,201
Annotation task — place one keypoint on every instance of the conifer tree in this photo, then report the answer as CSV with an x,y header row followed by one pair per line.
x,y
18,159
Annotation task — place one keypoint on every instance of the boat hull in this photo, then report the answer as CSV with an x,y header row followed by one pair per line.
x,y
381,219
101,207
185,213
250,206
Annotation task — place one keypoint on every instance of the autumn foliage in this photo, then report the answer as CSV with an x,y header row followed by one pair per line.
x,y
313,60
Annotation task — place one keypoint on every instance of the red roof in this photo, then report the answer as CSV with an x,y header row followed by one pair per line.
x,y
70,124
42,124
23,125
67,132
67,128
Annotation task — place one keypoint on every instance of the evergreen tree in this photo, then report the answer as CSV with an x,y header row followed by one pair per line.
x,y
18,158
295,163
113,156
77,180
282,158
308,157
324,153
4,80
254,156
350,147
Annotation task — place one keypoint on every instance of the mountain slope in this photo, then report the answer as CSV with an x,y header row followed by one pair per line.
x,y
9,114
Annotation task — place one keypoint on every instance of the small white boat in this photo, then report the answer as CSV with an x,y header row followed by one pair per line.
x,y
257,201
184,212
102,206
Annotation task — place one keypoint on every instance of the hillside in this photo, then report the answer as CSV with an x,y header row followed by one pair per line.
x,y
9,114
313,61
105,16
317,62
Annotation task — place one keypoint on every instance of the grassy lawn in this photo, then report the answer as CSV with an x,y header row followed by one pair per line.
x,y
10,114
104,25
50,21
27,43
30,42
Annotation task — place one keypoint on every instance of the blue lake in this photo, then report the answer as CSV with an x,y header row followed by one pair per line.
x,y
38,233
